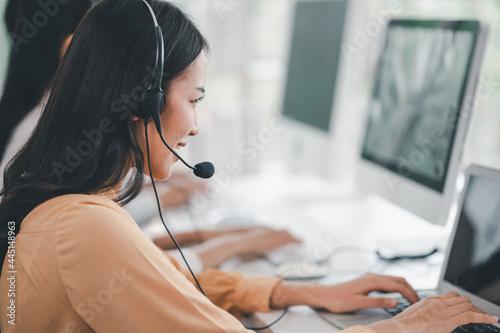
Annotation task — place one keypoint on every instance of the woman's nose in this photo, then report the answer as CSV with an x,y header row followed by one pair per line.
x,y
195,128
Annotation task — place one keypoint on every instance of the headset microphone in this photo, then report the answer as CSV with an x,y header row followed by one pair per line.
x,y
153,101
203,170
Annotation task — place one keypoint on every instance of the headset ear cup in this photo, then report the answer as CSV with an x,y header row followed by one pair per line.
x,y
163,100
152,106
152,103
161,104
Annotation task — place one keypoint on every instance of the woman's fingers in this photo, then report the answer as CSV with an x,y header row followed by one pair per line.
x,y
451,294
289,238
374,302
411,294
459,301
395,285
472,317
440,314
281,238
455,310
452,310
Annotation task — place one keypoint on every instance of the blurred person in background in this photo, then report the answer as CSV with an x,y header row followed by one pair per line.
x,y
34,58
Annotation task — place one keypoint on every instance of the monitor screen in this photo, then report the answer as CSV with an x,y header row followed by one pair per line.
x,y
474,261
314,58
418,93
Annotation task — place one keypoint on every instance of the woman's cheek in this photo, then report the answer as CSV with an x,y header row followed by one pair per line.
x,y
161,163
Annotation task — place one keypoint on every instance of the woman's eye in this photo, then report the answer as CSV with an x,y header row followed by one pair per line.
x,y
198,100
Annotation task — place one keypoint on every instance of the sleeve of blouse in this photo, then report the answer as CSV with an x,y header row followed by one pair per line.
x,y
240,294
235,292
118,281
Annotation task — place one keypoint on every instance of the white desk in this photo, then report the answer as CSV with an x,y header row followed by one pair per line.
x,y
325,216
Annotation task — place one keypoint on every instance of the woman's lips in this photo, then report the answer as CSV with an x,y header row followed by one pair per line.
x,y
178,149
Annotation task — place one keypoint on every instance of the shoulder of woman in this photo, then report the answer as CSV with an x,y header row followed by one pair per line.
x,y
92,227
74,211
89,211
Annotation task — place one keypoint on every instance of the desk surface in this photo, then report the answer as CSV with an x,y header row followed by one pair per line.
x,y
326,217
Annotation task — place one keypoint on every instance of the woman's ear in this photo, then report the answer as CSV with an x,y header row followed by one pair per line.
x,y
134,118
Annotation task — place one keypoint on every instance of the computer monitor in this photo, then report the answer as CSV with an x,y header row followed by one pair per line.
x,y
314,56
311,81
473,258
419,113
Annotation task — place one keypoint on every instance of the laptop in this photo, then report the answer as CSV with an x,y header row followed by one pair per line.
x,y
472,262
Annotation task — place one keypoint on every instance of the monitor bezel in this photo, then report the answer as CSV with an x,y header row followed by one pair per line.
x,y
306,148
470,26
424,201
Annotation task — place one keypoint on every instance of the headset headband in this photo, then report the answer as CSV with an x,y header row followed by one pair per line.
x,y
158,67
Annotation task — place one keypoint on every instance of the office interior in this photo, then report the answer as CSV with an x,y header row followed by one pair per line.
x,y
302,169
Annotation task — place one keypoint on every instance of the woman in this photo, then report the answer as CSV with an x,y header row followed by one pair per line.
x,y
33,63
81,262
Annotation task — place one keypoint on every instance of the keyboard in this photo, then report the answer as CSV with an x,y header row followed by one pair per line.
x,y
403,303
479,328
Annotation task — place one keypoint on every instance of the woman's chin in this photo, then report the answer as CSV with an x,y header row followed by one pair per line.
x,y
162,174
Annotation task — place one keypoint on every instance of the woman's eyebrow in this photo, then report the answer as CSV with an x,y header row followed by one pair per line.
x,y
202,89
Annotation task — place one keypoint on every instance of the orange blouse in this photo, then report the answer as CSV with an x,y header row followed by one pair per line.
x,y
83,265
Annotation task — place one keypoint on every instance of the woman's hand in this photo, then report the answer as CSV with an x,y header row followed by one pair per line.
x,y
264,240
441,314
215,251
213,233
345,297
353,295
178,190
233,241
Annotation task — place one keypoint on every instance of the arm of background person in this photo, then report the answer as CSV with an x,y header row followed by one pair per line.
x,y
216,250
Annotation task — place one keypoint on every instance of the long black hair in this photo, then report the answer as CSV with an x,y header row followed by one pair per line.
x,y
84,141
37,34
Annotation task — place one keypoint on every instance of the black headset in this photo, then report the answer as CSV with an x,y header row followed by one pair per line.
x,y
153,100
150,106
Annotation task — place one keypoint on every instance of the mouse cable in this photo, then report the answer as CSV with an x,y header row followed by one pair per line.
x,y
285,311
177,244
318,313
406,257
